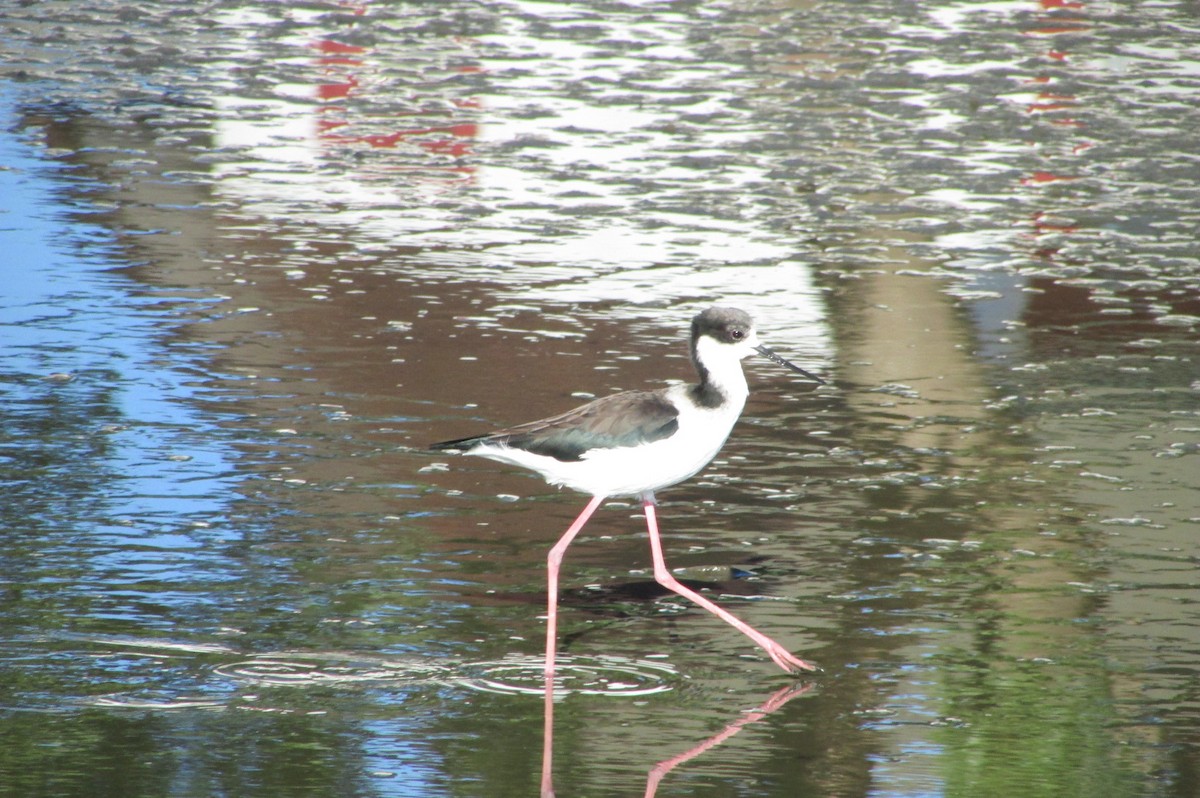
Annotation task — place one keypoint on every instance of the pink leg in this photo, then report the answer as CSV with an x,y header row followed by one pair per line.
x,y
553,561
548,739
665,578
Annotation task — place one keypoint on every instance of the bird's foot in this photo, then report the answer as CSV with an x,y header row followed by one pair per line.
x,y
786,660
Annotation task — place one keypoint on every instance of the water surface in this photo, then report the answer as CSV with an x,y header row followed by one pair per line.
x,y
259,255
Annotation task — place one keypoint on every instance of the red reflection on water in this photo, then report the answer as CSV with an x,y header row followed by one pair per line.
x,y
461,138
336,91
1045,177
1047,101
336,48
346,70
1055,107
1055,24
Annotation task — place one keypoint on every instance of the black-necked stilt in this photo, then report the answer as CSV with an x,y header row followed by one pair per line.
x,y
637,442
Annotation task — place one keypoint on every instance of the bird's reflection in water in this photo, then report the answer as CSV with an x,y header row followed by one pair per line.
x,y
659,771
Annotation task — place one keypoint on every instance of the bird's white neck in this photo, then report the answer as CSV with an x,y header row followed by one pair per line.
x,y
721,377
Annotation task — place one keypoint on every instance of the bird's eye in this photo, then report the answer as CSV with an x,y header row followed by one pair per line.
x,y
737,335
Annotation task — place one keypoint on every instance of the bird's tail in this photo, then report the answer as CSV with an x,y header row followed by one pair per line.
x,y
459,444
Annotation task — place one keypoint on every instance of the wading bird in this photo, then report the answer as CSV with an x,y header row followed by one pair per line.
x,y
637,442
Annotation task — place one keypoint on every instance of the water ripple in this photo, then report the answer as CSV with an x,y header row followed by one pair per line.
x,y
512,675
612,676
306,669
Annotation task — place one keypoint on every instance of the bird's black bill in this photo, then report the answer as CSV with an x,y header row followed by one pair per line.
x,y
767,353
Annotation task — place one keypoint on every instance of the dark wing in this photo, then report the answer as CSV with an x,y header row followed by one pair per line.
x,y
623,419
